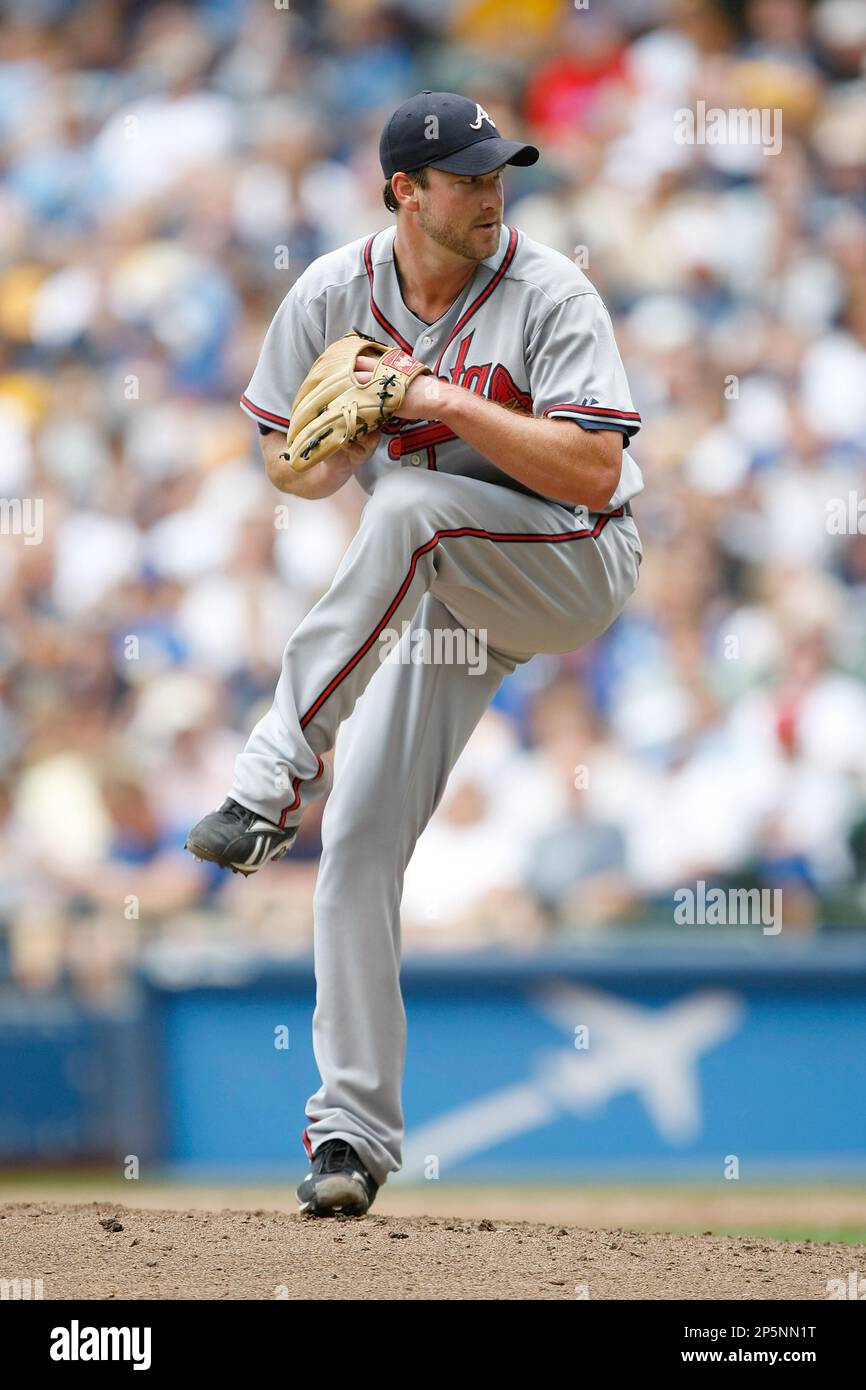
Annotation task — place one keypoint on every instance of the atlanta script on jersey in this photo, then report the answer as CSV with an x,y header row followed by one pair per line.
x,y
529,330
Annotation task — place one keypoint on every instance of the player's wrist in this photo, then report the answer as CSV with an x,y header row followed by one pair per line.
x,y
329,475
313,483
449,399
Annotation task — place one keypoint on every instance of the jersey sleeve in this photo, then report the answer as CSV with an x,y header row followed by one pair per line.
x,y
291,345
575,370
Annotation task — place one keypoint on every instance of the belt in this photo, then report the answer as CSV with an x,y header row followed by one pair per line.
x,y
624,510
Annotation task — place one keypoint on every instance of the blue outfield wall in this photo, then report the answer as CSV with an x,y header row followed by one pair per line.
x,y
77,1084
649,1063
624,1063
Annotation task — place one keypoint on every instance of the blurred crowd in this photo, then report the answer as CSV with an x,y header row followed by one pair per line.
x,y
167,172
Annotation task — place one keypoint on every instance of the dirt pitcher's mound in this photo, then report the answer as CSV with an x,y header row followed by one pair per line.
x,y
100,1251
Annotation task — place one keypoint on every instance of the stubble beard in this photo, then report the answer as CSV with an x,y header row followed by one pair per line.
x,y
444,234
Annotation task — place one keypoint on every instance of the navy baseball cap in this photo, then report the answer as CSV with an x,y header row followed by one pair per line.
x,y
450,132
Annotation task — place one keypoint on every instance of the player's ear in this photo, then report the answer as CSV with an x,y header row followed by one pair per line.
x,y
403,185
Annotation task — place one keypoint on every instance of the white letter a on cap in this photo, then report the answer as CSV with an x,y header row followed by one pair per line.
x,y
480,115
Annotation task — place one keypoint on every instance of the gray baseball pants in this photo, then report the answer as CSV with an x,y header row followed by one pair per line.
x,y
443,553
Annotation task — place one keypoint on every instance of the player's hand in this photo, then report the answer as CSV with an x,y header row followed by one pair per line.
x,y
325,477
352,455
421,399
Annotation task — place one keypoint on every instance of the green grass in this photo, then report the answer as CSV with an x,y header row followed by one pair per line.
x,y
836,1235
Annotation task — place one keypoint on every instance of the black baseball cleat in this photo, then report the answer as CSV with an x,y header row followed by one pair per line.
x,y
238,839
338,1183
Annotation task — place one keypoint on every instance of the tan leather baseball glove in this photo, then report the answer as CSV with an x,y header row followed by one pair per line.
x,y
332,406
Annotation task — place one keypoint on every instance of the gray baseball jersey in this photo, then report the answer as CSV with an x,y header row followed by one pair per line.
x,y
529,329
439,554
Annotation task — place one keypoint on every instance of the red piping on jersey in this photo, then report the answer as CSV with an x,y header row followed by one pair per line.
x,y
485,294
594,410
265,414
479,534
510,252
480,299
296,782
374,308
473,308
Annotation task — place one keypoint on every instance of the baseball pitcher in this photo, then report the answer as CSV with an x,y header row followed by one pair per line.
x,y
468,378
